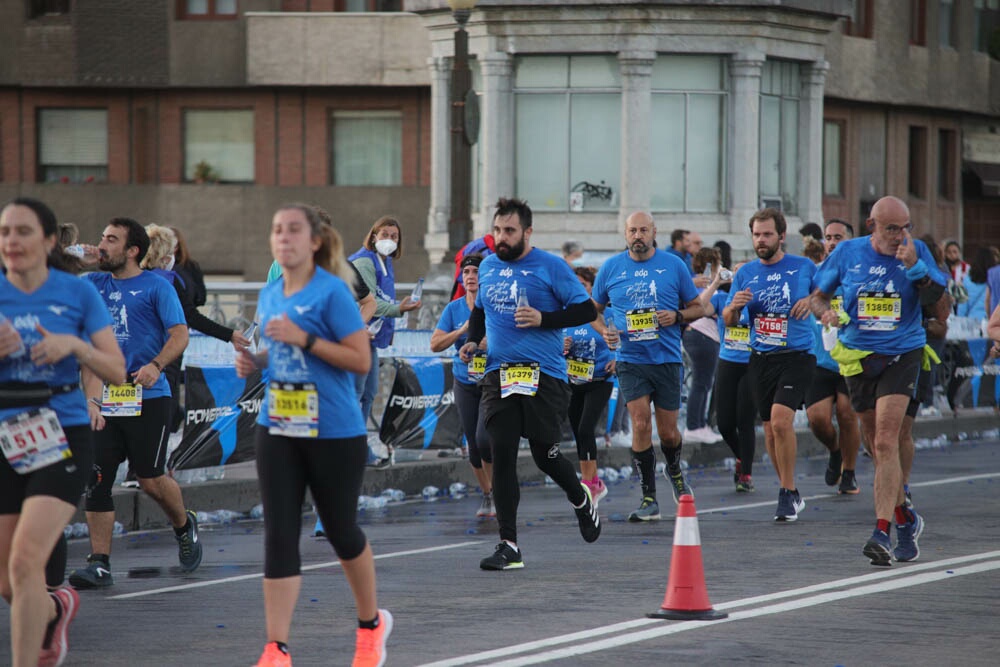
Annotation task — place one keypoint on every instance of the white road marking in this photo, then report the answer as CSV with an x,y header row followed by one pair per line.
x,y
911,575
260,575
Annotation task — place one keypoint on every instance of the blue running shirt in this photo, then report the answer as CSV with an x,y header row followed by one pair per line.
x,y
325,307
734,342
776,288
589,347
454,315
142,309
633,288
64,304
551,286
883,304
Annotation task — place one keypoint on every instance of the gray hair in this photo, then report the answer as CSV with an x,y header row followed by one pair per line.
x,y
571,248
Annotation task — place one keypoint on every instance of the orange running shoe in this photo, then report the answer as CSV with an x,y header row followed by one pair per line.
x,y
273,656
369,648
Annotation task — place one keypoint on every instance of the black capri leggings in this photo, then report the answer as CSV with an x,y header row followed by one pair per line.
x,y
735,412
467,397
586,406
333,469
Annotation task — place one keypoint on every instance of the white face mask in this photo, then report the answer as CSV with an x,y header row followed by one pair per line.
x,y
385,247
168,262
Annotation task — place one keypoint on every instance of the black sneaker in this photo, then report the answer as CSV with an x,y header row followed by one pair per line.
x,y
848,484
590,522
678,485
790,503
504,558
188,545
97,574
833,467
878,549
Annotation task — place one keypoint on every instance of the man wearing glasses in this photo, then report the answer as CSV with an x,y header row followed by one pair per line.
x,y
885,277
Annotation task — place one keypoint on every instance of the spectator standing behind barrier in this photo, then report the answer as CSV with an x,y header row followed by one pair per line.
x,y
590,368
975,285
701,342
189,270
957,267
312,342
374,260
452,329
54,324
572,252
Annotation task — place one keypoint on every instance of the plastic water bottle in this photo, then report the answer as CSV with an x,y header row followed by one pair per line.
x,y
418,291
611,475
708,271
430,492
375,326
81,530
118,529
612,333
457,490
602,473
625,472
19,352
394,495
725,275
75,250
522,298
660,467
257,511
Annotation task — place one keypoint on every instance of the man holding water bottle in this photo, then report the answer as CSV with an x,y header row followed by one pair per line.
x,y
651,294
526,298
885,278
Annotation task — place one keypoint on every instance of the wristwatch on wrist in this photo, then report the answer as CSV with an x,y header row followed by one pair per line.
x,y
310,341
679,317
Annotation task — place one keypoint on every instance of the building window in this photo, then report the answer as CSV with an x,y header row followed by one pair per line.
x,y
207,9
568,132
688,133
367,148
946,17
833,158
918,22
781,86
218,145
946,167
72,145
917,178
860,23
41,8
987,26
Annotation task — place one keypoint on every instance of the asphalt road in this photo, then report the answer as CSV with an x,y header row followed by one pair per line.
x,y
797,594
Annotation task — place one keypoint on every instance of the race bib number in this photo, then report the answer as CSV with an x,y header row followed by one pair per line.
x,y
879,311
641,324
580,370
33,440
122,400
837,304
771,329
293,409
477,367
737,339
519,378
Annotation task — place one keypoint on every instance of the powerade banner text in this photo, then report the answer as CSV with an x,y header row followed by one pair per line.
x,y
420,411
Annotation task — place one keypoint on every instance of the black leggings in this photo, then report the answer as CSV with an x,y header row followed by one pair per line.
x,y
467,397
735,412
333,469
586,406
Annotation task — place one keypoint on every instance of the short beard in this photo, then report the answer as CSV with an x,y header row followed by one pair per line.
x,y
110,265
512,253
639,247
766,253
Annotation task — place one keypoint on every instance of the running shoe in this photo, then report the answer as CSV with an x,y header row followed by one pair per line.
x,y
678,485
318,528
906,539
745,484
587,517
369,646
908,498
486,508
878,549
648,510
598,489
737,472
273,656
504,558
790,503
848,484
97,574
56,643
833,468
188,545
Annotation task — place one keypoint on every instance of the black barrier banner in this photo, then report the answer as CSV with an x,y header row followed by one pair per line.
x,y
420,412
219,415
971,374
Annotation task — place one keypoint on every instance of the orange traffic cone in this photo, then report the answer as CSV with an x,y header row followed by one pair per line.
x,y
686,598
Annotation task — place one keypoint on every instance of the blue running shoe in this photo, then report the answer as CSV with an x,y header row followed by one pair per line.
x,y
318,530
906,539
878,549
789,505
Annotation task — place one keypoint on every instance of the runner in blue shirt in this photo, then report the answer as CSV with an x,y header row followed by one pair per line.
x,y
310,432
526,298
131,420
53,324
650,295
451,331
885,278
773,292
828,393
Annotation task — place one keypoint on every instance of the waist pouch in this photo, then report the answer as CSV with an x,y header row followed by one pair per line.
x,y
30,394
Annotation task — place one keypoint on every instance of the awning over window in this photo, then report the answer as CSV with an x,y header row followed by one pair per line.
x,y
989,176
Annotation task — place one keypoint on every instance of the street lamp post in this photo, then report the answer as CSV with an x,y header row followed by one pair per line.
x,y
464,128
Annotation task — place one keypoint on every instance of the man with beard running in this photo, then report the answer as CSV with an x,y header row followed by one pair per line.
x,y
651,295
526,298
130,421
774,290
